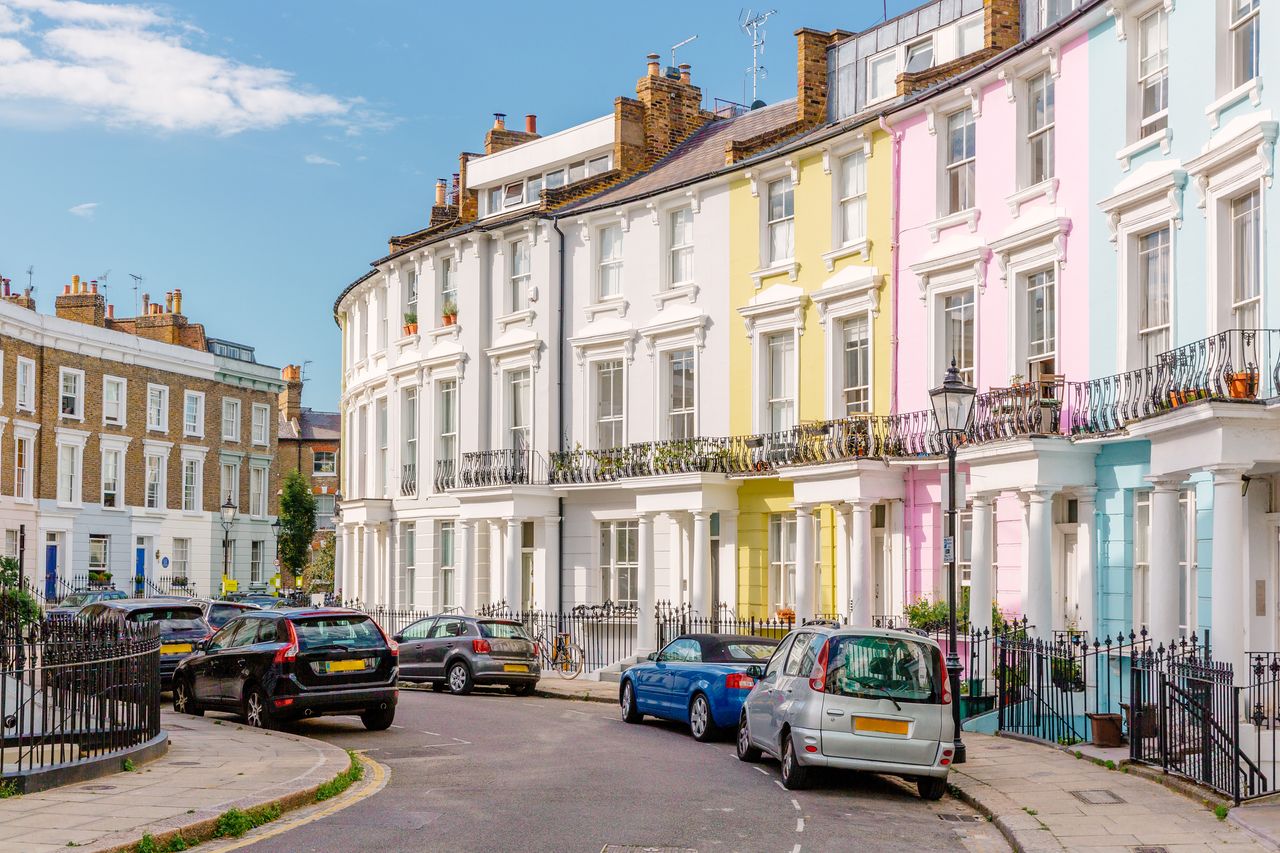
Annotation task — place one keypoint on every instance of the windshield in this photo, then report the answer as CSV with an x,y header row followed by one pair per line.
x,y
742,651
884,667
341,632
169,618
78,600
502,630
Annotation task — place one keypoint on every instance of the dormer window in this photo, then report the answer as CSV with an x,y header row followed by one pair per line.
x,y
555,179
969,36
920,56
513,194
882,72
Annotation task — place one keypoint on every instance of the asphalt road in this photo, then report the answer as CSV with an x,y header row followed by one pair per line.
x,y
492,771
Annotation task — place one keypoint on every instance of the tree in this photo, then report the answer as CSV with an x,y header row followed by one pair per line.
x,y
318,575
16,602
297,526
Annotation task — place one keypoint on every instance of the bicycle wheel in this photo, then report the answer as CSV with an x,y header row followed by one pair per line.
x,y
574,660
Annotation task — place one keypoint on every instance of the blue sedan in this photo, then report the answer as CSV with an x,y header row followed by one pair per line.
x,y
699,679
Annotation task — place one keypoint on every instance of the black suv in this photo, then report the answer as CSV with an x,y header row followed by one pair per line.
x,y
273,665
182,626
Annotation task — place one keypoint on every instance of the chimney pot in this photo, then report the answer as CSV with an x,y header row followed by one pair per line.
x,y
531,123
93,286
146,303
685,76
654,69
66,290
177,301
168,302
75,284
499,121
111,312
440,188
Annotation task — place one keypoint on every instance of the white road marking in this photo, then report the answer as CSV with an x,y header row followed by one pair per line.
x,y
459,740
799,824
779,784
394,726
433,734
796,803
795,849
762,770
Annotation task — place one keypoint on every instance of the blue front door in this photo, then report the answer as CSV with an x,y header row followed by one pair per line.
x,y
140,573
50,572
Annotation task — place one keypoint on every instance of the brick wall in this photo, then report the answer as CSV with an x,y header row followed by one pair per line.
x,y
1002,31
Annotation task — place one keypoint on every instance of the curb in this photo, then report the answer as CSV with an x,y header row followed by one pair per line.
x,y
1014,835
584,696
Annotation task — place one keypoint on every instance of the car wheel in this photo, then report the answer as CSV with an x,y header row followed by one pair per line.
x,y
524,688
460,681
701,723
184,702
378,719
794,775
257,711
746,752
931,788
628,702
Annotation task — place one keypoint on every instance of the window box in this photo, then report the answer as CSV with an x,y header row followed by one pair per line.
x,y
99,578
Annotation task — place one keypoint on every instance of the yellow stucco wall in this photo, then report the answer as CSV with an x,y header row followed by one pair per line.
x,y
814,208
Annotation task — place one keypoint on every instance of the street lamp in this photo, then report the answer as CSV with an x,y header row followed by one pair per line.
x,y
228,512
953,415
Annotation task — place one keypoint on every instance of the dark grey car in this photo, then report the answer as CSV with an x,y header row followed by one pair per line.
x,y
456,653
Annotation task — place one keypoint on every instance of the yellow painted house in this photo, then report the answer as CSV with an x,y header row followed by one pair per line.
x,y
810,234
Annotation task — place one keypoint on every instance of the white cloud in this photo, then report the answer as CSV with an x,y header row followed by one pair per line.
x,y
126,65
84,211
317,160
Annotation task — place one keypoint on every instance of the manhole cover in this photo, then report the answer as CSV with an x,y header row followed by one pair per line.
x,y
1097,797
185,763
961,818
98,787
1149,849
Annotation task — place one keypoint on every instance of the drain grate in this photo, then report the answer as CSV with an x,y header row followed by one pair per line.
x,y
640,848
185,763
1097,797
961,818
97,787
1149,849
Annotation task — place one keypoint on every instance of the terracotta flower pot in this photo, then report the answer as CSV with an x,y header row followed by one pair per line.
x,y
410,329
450,319
1243,386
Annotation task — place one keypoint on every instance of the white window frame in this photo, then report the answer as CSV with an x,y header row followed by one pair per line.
x,y
863,317
1252,302
1028,282
670,411
187,398
1188,562
234,493
942,323
855,162
78,376
611,565
679,254
181,557
785,223
785,315
256,549
382,445
1141,544
447,279
1236,25
195,488
1036,133
1153,334
609,268
73,479
409,283
1158,122
161,425
966,25
519,278
446,564
161,480
911,48
118,454
261,438
966,163
24,438
258,501
853,291
324,471
122,400
99,562
780,534
26,393
616,419
786,342
233,404
507,426
890,57
447,395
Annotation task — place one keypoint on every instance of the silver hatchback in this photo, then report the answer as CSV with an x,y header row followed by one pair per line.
x,y
852,698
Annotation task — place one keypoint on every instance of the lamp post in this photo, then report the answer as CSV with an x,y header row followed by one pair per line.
x,y
275,531
953,415
228,513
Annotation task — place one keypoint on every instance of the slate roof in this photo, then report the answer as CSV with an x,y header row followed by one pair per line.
x,y
311,426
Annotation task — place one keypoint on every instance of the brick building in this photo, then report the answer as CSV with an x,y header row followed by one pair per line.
x,y
308,441
121,438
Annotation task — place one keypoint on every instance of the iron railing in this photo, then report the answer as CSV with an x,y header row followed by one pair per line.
x,y
607,634
676,619
74,691
446,474
392,620
488,468
408,479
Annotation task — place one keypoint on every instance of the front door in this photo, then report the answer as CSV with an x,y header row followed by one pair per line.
x,y
1064,584
140,567
879,574
51,571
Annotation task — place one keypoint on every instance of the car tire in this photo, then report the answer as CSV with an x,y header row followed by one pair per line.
x,y
628,702
931,788
439,686
746,752
183,701
795,776
702,725
524,688
459,678
257,709
378,719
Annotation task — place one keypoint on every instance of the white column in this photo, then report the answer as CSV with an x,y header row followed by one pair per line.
x,y
1024,553
1086,547
980,592
729,559
1163,588
497,535
1226,639
700,588
645,592
511,565
340,584
1040,562
861,588
844,559
546,586
804,563
367,590
464,565
675,555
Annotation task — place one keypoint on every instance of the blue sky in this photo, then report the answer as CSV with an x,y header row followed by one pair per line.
x,y
258,153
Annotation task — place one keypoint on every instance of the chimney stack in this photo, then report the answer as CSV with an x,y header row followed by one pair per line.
x,y
290,400
654,66
531,123
685,76
499,121
111,312
81,302
75,284
440,192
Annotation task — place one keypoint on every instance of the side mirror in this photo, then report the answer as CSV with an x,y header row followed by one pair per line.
x,y
652,656
202,645
755,671
397,638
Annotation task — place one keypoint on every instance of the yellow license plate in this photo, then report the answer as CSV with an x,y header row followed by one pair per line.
x,y
175,648
881,726
344,665
515,667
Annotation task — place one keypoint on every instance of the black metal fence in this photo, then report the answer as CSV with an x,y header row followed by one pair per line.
x,y
676,619
607,634
393,620
72,691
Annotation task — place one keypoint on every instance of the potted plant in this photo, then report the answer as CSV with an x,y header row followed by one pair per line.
x,y
449,312
180,581
410,323
1243,385
99,577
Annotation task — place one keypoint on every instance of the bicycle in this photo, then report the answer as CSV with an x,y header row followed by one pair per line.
x,y
563,656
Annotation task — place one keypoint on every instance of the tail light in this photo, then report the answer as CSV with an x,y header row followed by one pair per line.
x,y
481,646
288,653
818,677
739,681
392,645
946,681
284,703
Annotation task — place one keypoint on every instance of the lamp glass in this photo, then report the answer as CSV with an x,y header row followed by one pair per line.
x,y
953,403
228,512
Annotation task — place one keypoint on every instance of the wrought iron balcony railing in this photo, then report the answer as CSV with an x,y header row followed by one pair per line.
x,y
408,479
446,474
486,468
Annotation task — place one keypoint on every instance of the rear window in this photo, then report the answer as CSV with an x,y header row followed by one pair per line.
x,y
502,630
742,651
343,632
77,600
169,618
884,667
221,614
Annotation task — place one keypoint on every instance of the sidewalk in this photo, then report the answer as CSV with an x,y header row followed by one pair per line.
x,y
211,766
1043,798
578,688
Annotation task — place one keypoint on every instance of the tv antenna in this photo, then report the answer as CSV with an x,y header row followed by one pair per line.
x,y
753,25
103,278
674,47
303,373
137,282
31,271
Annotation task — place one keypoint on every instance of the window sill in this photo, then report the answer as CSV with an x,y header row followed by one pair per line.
x,y
675,294
453,331
791,268
116,424
198,437
70,505
515,318
614,305
114,508
1048,189
848,250
1252,90
1161,138
65,417
407,341
160,430
968,217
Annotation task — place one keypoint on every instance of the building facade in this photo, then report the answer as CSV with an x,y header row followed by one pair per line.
x,y
122,438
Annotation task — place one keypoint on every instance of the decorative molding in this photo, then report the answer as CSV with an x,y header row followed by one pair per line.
x,y
1048,189
1010,81
848,250
975,257
515,318
1163,138
950,105
623,220
1055,60
653,211
1168,186
1255,143
695,200
1252,90
791,268
688,292
1051,231
968,217
624,340
785,313
754,178
794,167
695,326
616,306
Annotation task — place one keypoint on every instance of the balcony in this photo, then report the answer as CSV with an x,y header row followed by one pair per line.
x,y
408,480
490,468
446,474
